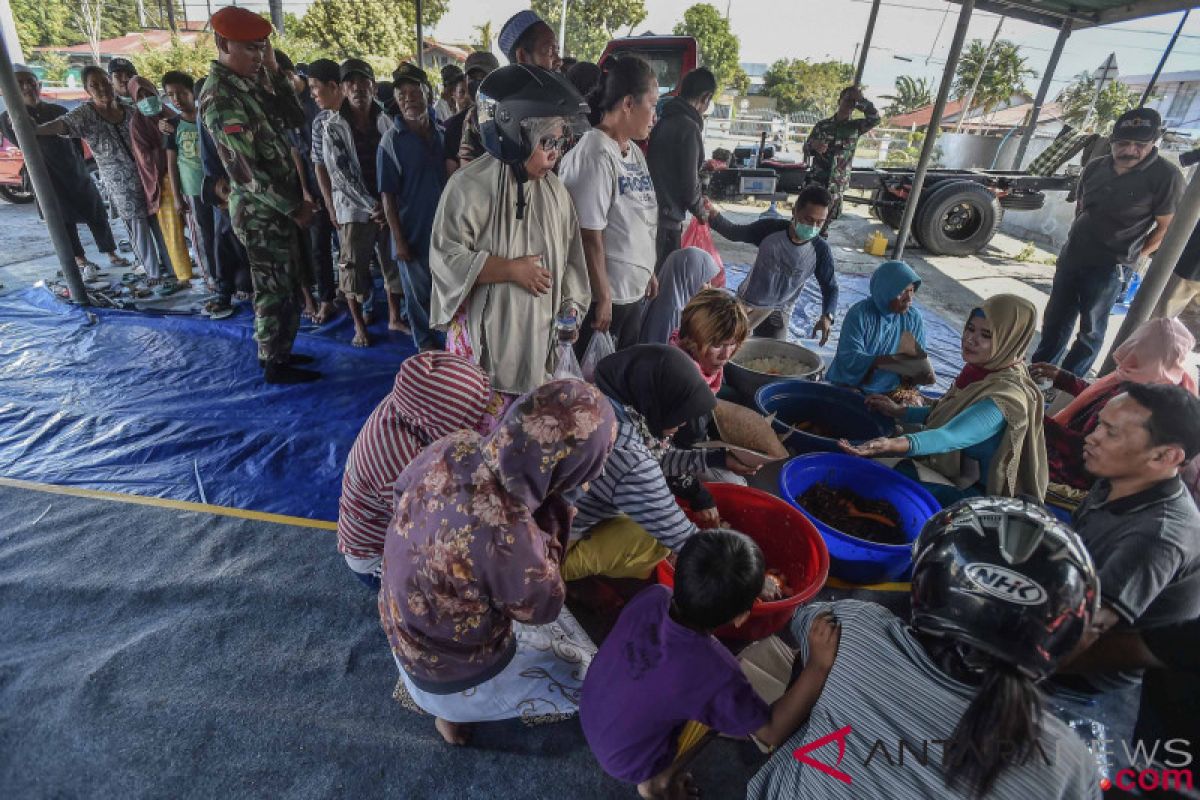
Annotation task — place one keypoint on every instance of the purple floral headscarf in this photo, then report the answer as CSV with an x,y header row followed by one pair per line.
x,y
480,529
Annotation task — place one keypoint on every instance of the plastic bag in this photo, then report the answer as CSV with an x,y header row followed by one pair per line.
x,y
699,234
601,346
567,365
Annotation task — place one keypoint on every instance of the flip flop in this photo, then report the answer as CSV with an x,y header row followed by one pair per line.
x,y
119,262
167,289
222,313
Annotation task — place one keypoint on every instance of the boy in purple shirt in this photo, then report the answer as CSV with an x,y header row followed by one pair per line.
x,y
661,679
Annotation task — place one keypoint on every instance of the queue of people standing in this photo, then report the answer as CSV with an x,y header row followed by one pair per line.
x,y
479,487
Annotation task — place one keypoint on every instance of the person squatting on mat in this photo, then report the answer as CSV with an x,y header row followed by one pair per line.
x,y
472,599
435,394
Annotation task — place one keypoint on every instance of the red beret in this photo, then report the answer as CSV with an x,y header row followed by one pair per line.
x,y
240,25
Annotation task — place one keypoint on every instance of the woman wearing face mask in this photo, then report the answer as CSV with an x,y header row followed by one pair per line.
x,y
151,155
610,184
103,123
875,329
628,520
505,253
985,435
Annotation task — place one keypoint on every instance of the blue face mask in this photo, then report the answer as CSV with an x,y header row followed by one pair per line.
x,y
150,106
805,232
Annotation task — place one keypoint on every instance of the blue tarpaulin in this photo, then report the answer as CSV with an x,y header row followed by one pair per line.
x,y
174,405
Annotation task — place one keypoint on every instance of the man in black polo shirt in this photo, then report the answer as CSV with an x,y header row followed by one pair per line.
x,y
1126,201
1139,523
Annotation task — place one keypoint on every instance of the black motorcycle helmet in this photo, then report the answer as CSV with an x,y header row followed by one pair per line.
x,y
1006,577
510,95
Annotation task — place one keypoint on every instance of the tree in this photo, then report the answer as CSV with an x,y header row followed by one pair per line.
x,y
483,36
194,58
1115,99
368,27
911,94
89,21
1004,74
591,23
718,46
800,85
43,22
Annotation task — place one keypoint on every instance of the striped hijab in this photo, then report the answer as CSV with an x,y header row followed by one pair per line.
x,y
435,394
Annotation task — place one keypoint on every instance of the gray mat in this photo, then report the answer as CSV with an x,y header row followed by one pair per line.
x,y
147,652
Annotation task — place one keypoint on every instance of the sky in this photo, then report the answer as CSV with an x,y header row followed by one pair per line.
x,y
915,29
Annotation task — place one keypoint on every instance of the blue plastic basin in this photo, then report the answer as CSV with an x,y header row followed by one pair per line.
x,y
852,559
841,411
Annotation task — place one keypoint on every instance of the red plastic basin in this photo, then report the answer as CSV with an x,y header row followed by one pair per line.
x,y
790,544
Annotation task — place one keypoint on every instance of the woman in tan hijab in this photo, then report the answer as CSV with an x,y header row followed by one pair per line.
x,y
985,434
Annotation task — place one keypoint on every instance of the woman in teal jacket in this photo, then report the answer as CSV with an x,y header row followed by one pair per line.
x,y
872,330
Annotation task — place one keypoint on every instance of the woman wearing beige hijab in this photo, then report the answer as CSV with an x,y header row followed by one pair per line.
x,y
984,435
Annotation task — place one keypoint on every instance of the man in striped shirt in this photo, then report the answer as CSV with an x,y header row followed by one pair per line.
x,y
435,394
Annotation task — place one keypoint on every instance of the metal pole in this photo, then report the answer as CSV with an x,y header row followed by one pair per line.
x,y
562,27
420,36
935,123
39,175
866,44
277,15
987,56
1064,31
1163,60
8,31
1109,64
1161,266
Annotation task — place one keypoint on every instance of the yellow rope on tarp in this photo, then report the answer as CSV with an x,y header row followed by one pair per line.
x,y
162,502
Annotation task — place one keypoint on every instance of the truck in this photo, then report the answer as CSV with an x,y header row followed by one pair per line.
x,y
957,214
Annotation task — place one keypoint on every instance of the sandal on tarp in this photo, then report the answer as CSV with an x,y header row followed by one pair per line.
x,y
130,278
167,288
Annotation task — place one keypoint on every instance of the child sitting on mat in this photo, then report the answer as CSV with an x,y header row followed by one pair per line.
x,y
662,685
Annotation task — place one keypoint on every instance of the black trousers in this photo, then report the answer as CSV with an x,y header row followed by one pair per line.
x,y
625,328
666,241
98,225
320,243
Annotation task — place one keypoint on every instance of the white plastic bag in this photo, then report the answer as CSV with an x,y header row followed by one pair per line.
x,y
601,346
567,366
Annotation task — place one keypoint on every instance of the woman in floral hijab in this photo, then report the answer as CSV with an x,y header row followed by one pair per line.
x,y
472,599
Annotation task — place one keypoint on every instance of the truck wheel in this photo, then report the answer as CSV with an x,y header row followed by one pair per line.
x,y
1023,201
957,218
888,215
19,195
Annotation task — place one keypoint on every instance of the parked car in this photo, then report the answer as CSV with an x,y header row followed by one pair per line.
x,y
14,179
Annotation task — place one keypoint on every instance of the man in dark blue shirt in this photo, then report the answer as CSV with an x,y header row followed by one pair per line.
x,y
411,166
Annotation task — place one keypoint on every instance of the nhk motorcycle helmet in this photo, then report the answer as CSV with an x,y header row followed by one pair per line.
x,y
1006,577
518,93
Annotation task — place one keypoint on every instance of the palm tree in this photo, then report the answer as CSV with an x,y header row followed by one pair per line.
x,y
1004,74
483,37
911,94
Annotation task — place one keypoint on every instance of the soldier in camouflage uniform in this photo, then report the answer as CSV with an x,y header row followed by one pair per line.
x,y
247,105
832,143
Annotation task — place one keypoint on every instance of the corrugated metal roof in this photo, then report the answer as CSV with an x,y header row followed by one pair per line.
x,y
1083,13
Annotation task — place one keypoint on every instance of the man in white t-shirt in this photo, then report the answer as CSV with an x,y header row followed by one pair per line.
x,y
614,196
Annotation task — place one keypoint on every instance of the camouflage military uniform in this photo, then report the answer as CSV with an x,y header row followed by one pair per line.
x,y
832,168
248,121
